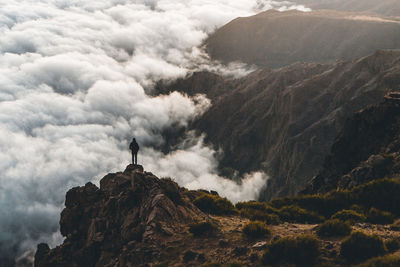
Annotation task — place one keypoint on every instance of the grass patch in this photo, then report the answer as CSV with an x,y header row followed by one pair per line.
x,y
258,215
206,228
359,246
384,261
392,245
258,211
395,226
302,251
216,264
214,204
381,194
256,229
379,217
296,214
349,216
333,227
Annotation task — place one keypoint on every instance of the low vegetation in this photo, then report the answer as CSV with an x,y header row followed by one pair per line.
x,y
214,204
259,211
333,227
395,226
301,251
215,264
291,213
206,228
384,261
350,216
359,246
379,194
296,214
392,245
379,217
257,215
256,229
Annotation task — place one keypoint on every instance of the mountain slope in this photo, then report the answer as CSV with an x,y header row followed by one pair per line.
x,y
276,39
137,219
383,7
284,121
366,149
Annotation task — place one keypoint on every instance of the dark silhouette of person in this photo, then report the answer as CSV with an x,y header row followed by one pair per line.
x,y
134,147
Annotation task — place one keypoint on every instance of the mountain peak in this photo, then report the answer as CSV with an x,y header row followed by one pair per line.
x,y
132,214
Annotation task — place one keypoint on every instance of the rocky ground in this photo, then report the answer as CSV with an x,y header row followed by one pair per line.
x,y
137,219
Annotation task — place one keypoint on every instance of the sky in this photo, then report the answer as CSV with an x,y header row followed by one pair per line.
x,y
76,80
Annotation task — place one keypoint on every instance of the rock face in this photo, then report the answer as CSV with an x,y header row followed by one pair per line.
x,y
366,149
285,121
275,39
125,222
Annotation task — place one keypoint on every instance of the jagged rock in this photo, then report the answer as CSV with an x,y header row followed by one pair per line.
x,y
260,245
285,121
124,222
366,149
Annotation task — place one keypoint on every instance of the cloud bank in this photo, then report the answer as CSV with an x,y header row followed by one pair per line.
x,y
74,82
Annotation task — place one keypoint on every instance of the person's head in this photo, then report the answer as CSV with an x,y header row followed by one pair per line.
x,y
134,139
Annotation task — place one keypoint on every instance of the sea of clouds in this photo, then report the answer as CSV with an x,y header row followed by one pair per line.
x,y
75,77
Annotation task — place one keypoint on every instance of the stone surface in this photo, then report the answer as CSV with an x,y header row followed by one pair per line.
x,y
366,149
125,221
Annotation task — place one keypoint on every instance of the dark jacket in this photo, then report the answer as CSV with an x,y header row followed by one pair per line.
x,y
134,146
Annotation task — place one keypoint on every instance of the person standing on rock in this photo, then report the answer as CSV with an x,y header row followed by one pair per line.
x,y
134,147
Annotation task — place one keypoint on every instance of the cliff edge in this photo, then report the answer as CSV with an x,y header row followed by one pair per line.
x,y
129,219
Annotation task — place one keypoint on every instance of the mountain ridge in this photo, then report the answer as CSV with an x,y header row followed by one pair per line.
x,y
284,121
275,39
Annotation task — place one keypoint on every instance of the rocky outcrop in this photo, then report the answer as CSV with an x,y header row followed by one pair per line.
x,y
275,39
125,222
368,148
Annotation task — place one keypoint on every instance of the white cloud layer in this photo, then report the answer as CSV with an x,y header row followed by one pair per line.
x,y
73,81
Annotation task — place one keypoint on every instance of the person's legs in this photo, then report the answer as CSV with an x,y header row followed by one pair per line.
x,y
135,158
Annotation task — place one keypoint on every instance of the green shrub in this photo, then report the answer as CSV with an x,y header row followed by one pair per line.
x,y
258,215
255,205
357,208
359,246
302,251
296,214
381,194
379,217
384,261
333,227
206,228
256,229
349,216
214,204
215,264
259,211
392,245
395,226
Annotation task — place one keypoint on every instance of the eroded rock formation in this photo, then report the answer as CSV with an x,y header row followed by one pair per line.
x,y
127,221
